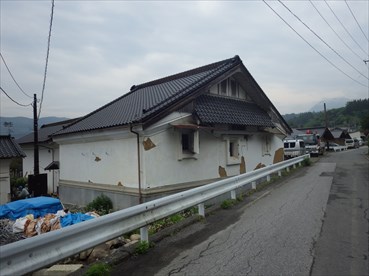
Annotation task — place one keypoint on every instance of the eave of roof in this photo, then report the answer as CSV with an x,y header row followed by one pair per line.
x,y
45,132
9,148
214,109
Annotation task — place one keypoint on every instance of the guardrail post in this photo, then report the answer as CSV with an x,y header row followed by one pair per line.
x,y
253,185
288,169
268,177
144,233
233,194
201,207
300,164
279,173
294,166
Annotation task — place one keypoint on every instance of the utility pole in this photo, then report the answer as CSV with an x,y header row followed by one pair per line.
x,y
326,123
36,170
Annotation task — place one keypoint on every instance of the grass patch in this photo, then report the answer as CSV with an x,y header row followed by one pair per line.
x,y
228,203
306,162
98,269
143,247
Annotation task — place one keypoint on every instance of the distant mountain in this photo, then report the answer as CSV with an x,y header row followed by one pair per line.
x,y
350,116
330,104
21,126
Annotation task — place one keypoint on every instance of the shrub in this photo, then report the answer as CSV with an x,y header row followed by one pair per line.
x,y
102,205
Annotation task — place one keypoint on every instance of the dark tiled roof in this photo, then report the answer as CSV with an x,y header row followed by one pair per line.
x,y
146,99
212,109
45,131
9,148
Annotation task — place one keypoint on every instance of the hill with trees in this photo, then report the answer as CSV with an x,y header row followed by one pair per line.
x,y
355,115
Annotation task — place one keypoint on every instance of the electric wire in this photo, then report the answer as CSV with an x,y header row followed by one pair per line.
x,y
47,57
335,31
356,21
322,40
343,26
331,63
10,73
24,105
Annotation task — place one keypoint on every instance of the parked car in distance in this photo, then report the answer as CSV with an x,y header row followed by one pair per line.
x,y
335,147
350,143
293,148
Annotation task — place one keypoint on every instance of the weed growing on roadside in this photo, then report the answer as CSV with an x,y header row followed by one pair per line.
x,y
142,247
98,269
306,162
228,203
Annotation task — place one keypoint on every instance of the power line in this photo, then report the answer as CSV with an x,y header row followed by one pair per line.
x,y
331,63
356,21
10,73
24,105
345,28
47,56
335,31
322,40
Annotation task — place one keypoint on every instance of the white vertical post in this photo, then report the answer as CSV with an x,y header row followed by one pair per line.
x,y
253,185
279,173
144,233
294,166
201,207
268,177
233,194
288,169
300,164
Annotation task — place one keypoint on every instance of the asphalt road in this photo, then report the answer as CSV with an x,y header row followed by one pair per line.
x,y
314,222
342,248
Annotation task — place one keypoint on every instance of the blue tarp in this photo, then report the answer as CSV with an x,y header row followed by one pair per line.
x,y
71,219
38,206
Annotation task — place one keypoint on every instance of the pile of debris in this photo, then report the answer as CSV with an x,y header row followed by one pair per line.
x,y
6,232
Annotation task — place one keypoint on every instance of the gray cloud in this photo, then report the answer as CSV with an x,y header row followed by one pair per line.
x,y
100,49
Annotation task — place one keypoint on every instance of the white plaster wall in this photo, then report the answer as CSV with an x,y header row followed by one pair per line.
x,y
45,158
162,166
102,162
4,181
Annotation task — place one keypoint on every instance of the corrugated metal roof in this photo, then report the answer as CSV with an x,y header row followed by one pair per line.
x,y
214,109
146,99
9,148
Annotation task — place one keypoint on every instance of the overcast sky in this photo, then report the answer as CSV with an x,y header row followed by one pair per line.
x,y
99,49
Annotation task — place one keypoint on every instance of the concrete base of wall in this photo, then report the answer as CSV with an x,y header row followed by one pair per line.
x,y
80,194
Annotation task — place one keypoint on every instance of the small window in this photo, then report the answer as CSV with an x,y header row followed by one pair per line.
x,y
292,145
234,88
286,145
223,87
189,144
267,146
233,151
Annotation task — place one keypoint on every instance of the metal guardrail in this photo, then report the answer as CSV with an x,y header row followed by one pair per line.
x,y
34,253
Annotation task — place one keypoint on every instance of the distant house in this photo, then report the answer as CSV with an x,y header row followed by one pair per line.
x,y
169,135
48,153
9,149
324,133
